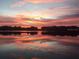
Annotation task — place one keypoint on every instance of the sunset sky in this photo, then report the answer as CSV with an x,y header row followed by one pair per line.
x,y
39,12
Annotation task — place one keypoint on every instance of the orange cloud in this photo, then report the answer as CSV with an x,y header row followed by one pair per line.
x,y
39,14
42,1
23,21
22,2
51,13
70,21
31,22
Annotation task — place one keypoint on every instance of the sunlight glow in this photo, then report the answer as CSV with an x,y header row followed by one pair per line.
x,y
39,15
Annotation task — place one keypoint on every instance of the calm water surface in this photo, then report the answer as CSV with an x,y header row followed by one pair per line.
x,y
35,45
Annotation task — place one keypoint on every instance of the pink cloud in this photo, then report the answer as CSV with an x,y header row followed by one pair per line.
x,y
65,22
43,1
22,2
6,20
73,21
53,13
70,21
19,3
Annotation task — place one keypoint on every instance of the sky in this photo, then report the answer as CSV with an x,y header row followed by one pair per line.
x,y
39,12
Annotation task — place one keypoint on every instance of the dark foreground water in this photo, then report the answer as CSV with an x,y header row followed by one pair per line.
x,y
35,45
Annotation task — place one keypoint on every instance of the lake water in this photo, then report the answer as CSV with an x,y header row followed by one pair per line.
x,y
35,45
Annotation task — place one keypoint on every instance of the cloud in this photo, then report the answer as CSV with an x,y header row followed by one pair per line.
x,y
27,21
68,21
19,3
64,11
70,16
43,1
5,20
72,3
23,21
22,2
51,13
19,21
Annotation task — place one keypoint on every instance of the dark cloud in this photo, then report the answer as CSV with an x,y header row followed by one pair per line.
x,y
6,18
70,16
72,3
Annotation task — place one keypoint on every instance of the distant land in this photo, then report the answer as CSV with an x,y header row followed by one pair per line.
x,y
48,28
69,30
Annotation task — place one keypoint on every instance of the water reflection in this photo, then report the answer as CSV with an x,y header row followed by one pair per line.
x,y
35,45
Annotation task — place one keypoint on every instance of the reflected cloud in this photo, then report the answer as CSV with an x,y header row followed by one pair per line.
x,y
34,45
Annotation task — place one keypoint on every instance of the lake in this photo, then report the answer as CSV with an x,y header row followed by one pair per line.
x,y
35,45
